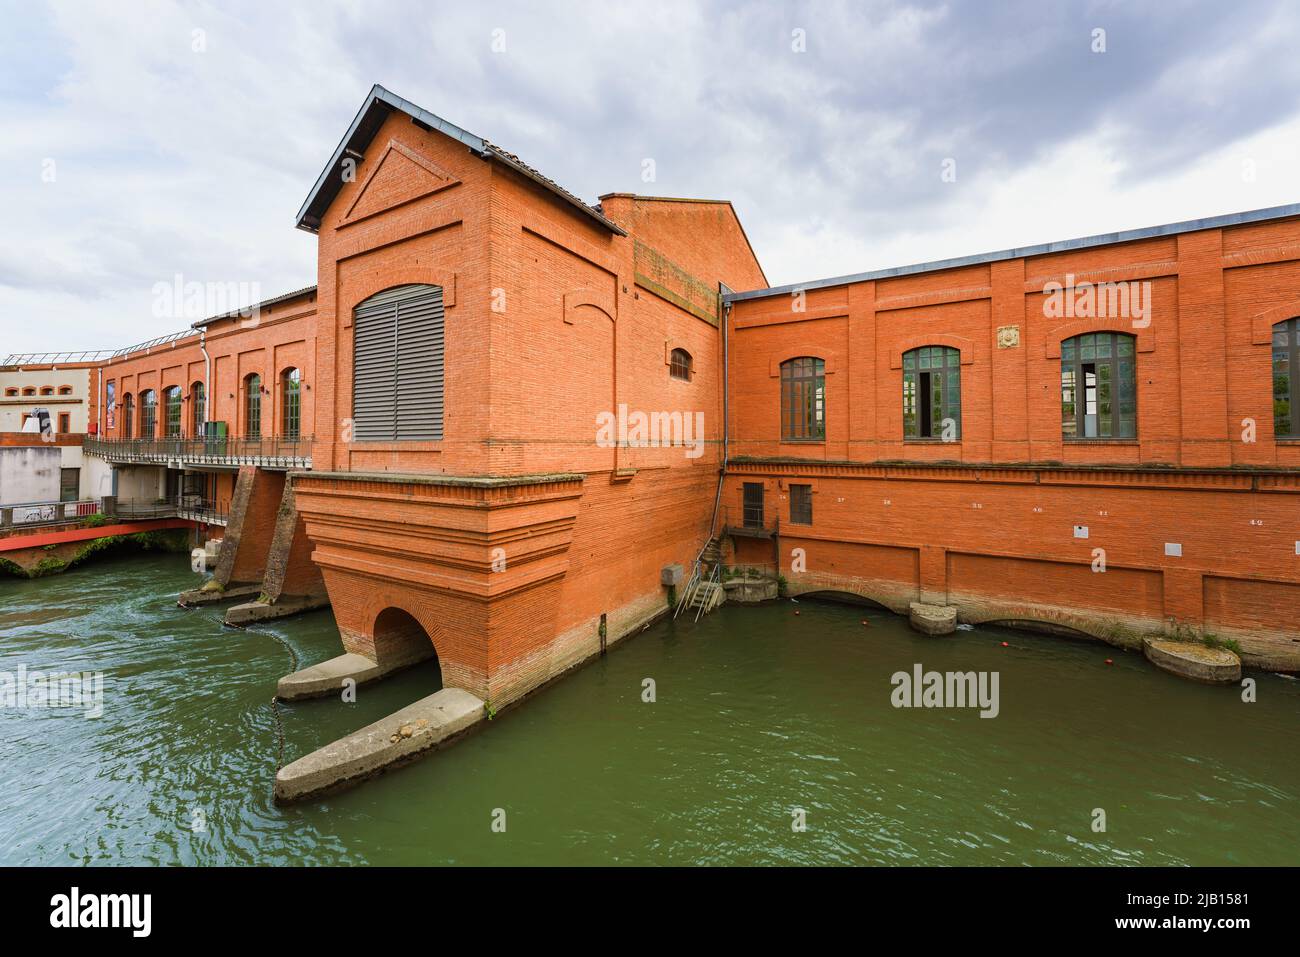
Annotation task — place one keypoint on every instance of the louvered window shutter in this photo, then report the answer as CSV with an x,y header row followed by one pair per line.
x,y
397,378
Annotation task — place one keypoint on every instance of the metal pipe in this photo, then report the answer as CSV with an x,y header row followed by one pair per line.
x,y
207,375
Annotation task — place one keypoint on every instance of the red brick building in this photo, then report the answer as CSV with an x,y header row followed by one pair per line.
x,y
511,409
1110,470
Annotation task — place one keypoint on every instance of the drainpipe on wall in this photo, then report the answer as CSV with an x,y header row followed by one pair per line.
x,y
722,469
207,375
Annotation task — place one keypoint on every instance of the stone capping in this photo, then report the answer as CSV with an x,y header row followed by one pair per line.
x,y
458,481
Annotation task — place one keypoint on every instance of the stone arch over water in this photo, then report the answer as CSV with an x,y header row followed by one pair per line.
x,y
400,639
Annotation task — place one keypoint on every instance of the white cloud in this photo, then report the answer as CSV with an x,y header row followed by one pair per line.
x,y
171,160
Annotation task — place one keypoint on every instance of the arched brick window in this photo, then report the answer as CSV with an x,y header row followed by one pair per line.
x,y
290,403
253,406
679,364
803,399
128,415
932,393
1099,386
199,407
148,414
172,411
1286,376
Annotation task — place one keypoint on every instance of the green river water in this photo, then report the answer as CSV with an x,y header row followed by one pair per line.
x,y
758,711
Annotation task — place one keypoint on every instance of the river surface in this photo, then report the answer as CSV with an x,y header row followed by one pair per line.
x,y
758,711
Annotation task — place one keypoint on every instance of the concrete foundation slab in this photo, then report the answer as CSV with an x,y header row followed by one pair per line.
x,y
216,596
389,742
328,676
1190,660
932,619
254,611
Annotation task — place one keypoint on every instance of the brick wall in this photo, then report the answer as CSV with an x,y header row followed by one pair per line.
x,y
999,541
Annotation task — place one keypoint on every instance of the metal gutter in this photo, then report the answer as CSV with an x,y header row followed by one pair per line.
x,y
1065,245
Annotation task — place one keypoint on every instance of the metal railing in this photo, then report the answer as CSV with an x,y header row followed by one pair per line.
x,y
748,520
34,514
273,451
39,514
204,511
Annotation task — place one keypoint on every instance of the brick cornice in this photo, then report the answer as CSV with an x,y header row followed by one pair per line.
x,y
1228,480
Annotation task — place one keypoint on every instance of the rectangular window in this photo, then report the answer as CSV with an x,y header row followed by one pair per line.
x,y
69,484
65,422
753,505
801,504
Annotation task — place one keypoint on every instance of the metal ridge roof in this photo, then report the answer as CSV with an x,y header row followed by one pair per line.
x,y
378,105
1064,245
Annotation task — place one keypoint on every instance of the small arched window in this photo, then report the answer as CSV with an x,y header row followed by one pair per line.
x,y
803,400
1286,375
47,390
148,414
128,415
932,393
172,410
11,392
199,407
253,406
679,364
65,390
1099,386
29,390
290,403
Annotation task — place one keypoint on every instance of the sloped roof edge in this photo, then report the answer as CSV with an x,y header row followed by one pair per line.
x,y
378,105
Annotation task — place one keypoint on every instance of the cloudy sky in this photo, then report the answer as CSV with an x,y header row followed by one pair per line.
x,y
145,140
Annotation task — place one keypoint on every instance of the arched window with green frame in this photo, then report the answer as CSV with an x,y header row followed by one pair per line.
x,y
932,393
803,400
290,403
148,414
172,411
1286,373
1099,386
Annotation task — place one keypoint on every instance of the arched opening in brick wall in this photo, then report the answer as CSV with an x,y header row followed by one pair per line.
x,y
401,640
843,598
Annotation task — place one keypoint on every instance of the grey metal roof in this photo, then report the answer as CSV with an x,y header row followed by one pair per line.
x,y
1103,239
379,104
171,338
284,297
55,358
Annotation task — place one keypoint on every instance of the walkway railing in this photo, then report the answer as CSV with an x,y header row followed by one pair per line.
x,y
39,514
204,511
48,513
272,451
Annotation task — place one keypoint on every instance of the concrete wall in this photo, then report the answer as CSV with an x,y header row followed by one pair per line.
x,y
59,389
141,483
29,474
